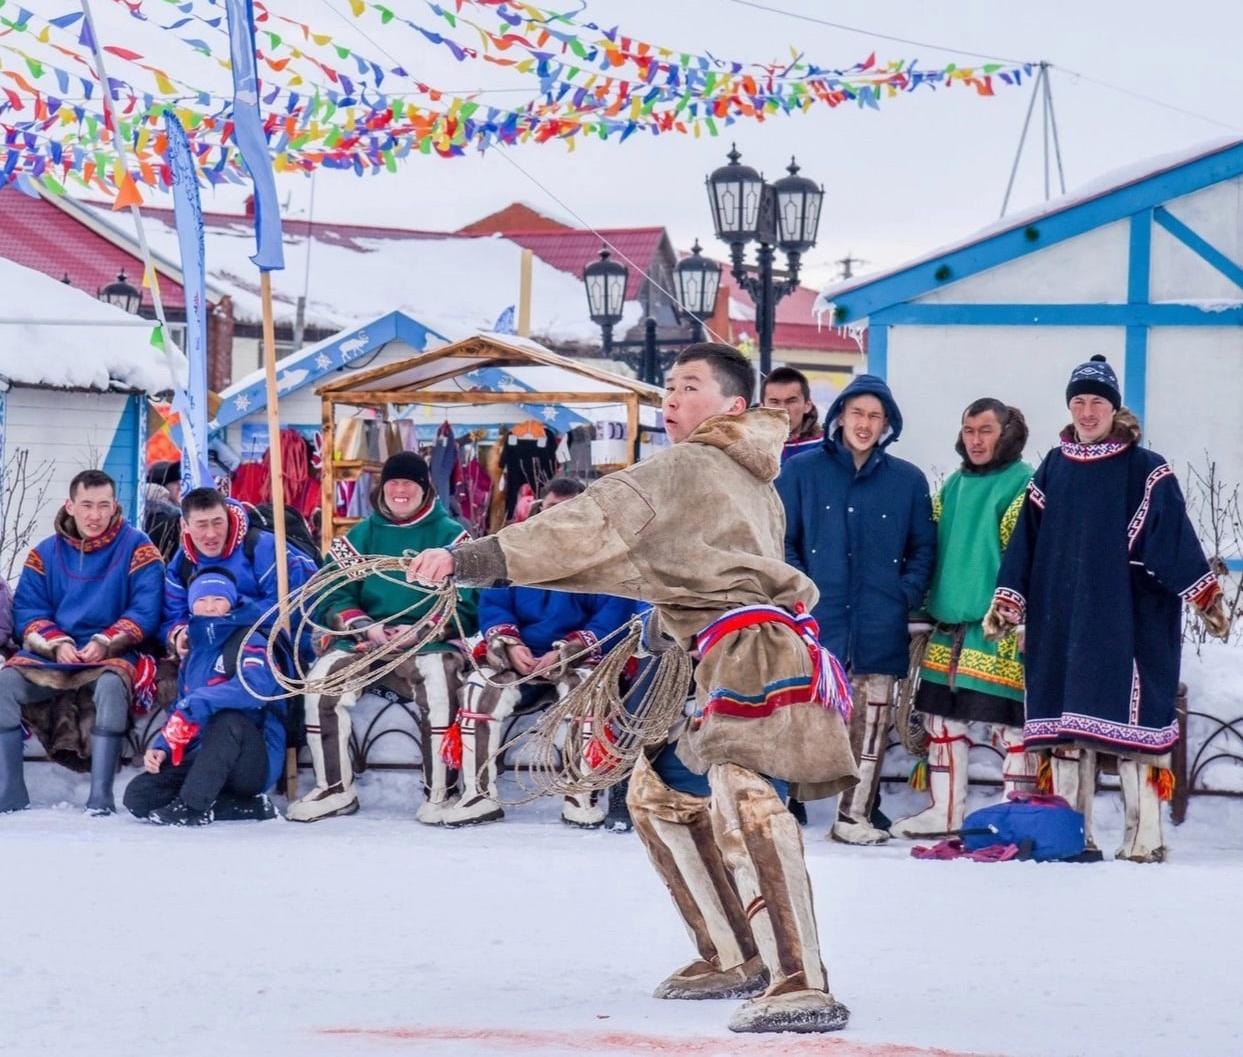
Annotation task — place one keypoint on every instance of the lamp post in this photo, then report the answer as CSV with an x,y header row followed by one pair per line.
x,y
122,294
784,214
698,281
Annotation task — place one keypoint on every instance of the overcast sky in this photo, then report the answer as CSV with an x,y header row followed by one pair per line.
x,y
926,169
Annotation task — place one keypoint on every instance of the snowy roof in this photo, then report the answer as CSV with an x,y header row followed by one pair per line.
x,y
1227,151
58,236
308,365
57,336
457,285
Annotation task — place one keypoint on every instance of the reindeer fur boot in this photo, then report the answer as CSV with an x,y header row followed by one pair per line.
x,y
676,831
762,846
1141,806
948,749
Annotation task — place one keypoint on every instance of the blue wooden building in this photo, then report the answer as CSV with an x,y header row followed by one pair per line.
x,y
1145,266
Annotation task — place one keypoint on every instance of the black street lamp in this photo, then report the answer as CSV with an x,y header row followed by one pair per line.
x,y
698,281
784,214
122,294
605,281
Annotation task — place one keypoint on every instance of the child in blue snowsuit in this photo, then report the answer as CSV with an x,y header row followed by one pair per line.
x,y
221,747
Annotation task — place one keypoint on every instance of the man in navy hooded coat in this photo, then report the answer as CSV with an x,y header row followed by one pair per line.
x,y
859,523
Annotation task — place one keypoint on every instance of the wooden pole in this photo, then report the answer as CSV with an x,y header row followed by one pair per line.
x,y
524,294
632,427
276,469
327,476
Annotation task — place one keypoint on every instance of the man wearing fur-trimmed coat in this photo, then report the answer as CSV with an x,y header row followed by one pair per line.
x,y
88,596
217,533
697,531
965,679
1101,561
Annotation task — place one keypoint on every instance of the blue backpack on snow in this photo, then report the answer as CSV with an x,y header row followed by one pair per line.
x,y
1044,828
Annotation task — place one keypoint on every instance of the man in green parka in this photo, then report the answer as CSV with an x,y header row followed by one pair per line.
x,y
965,679
407,518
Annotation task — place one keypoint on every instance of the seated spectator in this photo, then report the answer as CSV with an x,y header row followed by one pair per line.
x,y
406,518
167,475
217,532
529,631
222,746
6,618
161,520
89,594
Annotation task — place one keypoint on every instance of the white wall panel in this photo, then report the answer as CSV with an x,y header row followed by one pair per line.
x,y
69,431
1089,268
935,372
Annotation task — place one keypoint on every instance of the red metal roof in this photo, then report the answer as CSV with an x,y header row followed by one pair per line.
x,y
571,251
346,235
38,234
796,326
517,216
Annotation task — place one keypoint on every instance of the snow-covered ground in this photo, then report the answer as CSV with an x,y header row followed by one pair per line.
x,y
374,934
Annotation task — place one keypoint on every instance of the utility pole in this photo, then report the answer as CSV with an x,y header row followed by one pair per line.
x,y
848,265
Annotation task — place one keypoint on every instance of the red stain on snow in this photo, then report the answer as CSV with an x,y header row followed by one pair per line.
x,y
519,1041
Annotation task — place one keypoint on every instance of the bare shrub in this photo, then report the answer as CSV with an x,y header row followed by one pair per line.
x,y
25,494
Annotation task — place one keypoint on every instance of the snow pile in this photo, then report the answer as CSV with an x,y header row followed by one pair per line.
x,y
1214,716
55,335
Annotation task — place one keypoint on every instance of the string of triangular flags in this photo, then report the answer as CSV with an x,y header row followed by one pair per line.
x,y
325,103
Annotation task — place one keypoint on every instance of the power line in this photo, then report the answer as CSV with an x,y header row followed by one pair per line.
x,y
981,55
507,155
615,250
1145,98
871,33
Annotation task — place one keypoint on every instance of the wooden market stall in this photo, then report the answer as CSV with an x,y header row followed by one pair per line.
x,y
488,377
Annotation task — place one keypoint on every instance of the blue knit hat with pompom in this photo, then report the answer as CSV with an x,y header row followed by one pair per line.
x,y
1094,378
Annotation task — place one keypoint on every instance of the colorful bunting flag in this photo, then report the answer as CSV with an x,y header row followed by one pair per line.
x,y
328,105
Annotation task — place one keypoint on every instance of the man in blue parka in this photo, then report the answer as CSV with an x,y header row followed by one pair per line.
x,y
217,532
859,523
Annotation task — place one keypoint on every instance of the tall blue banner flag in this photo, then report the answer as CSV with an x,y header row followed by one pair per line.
x,y
191,402
248,134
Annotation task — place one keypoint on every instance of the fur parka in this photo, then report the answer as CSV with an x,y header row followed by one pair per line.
x,y
697,530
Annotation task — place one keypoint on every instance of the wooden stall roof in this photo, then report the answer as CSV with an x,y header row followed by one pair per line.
x,y
438,370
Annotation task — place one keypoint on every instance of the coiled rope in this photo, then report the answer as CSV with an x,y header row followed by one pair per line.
x,y
586,742
908,722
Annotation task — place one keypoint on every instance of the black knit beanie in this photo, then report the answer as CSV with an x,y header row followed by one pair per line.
x,y
1094,378
405,466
